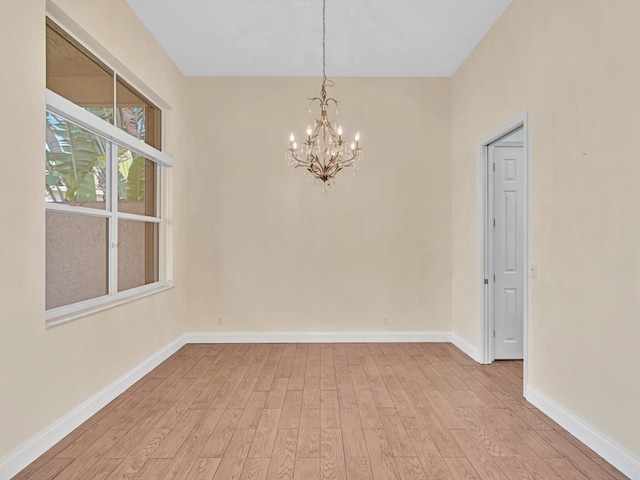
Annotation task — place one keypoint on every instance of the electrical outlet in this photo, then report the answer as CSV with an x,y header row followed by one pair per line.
x,y
220,320
385,320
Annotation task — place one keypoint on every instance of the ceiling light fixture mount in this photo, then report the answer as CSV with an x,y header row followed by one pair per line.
x,y
324,153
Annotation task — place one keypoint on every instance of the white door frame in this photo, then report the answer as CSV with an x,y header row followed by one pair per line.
x,y
486,241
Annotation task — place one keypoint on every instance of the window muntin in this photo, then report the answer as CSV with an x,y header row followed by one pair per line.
x,y
102,199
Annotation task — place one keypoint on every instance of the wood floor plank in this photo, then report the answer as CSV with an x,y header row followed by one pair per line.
x,y
153,469
255,469
346,393
285,364
283,458
241,396
340,362
132,463
355,445
332,464
610,469
327,376
478,456
185,458
232,462
177,409
429,455
313,361
222,433
309,433
80,444
329,409
91,455
178,434
564,469
290,417
383,465
49,454
358,377
228,390
396,434
513,468
368,410
359,469
446,444
209,392
530,437
311,393
409,468
265,436
583,463
538,469
101,469
204,469
577,443
461,469
252,411
275,399
49,470
266,377
307,469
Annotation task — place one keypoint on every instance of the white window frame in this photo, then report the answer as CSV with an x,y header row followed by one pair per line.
x,y
69,111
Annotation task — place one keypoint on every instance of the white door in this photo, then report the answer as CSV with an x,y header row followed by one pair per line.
x,y
508,248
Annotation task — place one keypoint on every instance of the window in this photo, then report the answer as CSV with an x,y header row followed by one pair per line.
x,y
103,172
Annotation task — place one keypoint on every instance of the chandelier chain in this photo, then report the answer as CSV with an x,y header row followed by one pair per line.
x,y
324,40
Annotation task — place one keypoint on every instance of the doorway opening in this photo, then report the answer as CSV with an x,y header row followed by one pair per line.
x,y
505,243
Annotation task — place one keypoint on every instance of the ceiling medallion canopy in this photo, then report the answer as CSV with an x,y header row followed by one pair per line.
x,y
324,153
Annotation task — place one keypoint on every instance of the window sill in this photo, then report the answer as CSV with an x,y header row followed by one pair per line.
x,y
55,320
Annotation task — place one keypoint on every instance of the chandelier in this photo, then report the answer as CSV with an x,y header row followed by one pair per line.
x,y
324,153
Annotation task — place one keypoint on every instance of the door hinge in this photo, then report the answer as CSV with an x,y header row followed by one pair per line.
x,y
494,277
494,333
486,281
494,223
494,167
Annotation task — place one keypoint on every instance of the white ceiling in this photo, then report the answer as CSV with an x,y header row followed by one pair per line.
x,y
284,37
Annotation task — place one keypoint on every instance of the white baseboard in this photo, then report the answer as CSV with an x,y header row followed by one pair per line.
x,y
42,442
318,337
613,453
466,347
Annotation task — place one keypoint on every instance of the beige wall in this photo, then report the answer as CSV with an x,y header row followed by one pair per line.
x,y
46,373
271,253
575,67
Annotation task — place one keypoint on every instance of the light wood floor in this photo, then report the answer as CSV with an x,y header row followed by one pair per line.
x,y
322,411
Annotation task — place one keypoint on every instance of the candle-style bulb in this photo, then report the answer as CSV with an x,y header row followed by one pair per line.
x,y
340,131
357,136
291,137
353,146
309,130
295,145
